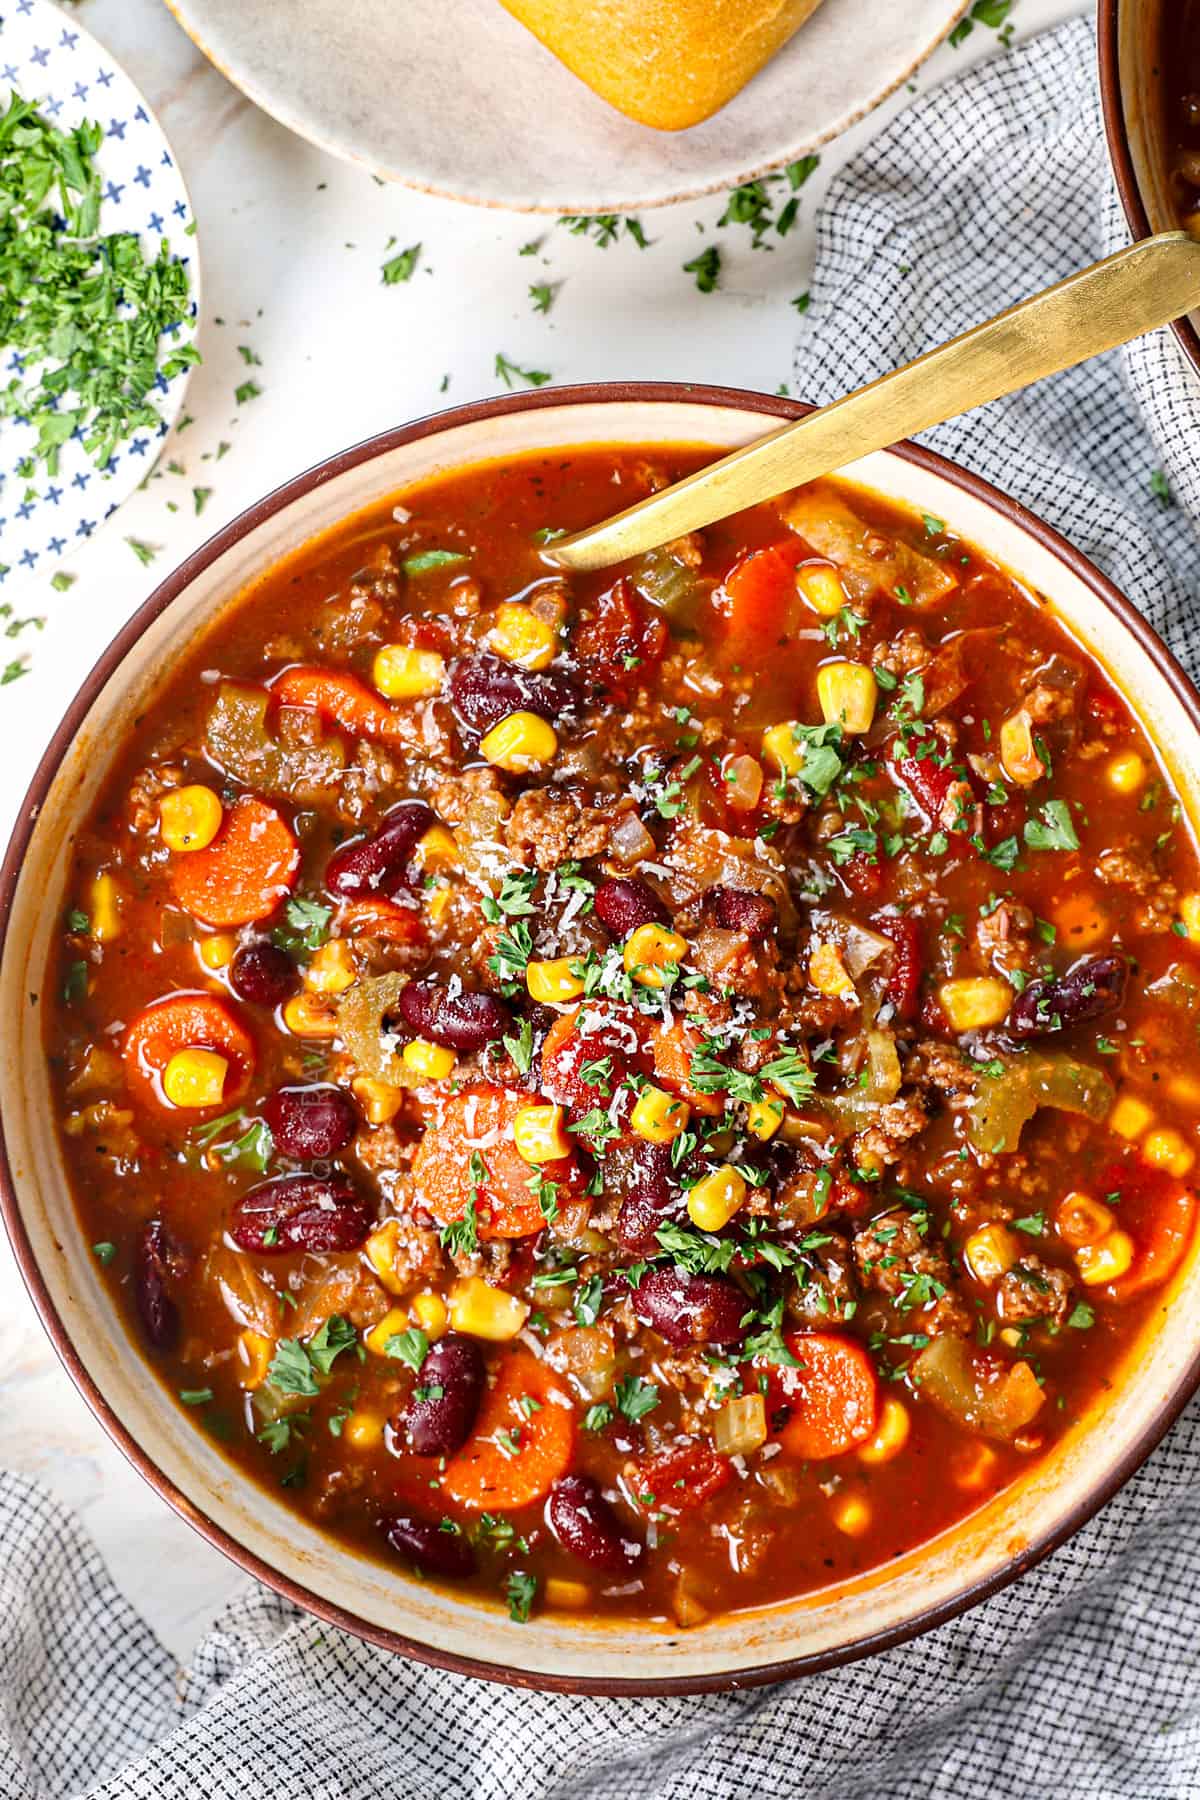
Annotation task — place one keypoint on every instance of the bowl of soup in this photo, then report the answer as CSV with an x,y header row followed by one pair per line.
x,y
1150,92
628,1132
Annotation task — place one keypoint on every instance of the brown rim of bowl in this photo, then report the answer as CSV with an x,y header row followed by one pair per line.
x,y
590,394
1121,157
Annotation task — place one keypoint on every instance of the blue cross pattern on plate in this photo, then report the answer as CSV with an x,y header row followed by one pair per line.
x,y
49,59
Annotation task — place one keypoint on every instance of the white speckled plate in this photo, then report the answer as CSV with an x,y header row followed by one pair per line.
x,y
459,99
47,56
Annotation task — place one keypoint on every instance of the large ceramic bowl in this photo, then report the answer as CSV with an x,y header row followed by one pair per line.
x,y
919,1590
1132,94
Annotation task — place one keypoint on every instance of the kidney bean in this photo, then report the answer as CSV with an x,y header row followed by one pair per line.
x,y
1095,986
432,1550
156,1310
378,865
301,1212
690,1309
740,909
645,1173
442,1407
465,1021
310,1122
485,689
263,974
623,903
586,1525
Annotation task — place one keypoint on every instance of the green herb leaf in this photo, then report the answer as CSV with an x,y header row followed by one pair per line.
x,y
400,267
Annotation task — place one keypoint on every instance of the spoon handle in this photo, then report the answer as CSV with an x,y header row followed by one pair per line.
x,y
1139,288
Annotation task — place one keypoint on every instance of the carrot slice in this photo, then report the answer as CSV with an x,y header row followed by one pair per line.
x,y
672,1048
382,919
1158,1214
249,867
517,1451
345,700
477,1127
834,1395
758,601
185,1021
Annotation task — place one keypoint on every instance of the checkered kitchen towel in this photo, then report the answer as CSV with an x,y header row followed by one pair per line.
x,y
1080,1681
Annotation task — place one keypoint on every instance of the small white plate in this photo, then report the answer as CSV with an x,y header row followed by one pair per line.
x,y
459,99
50,59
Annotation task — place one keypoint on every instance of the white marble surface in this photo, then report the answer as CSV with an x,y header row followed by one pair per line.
x,y
291,244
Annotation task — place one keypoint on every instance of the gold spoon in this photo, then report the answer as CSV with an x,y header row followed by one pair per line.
x,y
1134,291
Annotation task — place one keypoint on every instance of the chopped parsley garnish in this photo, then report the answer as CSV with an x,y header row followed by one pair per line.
x,y
513,951
400,267
635,1397
425,560
520,1590
83,312
506,370
706,268
104,1253
305,927
1054,830
410,1347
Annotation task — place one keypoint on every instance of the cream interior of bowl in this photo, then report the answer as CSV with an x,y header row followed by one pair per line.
x,y
208,1488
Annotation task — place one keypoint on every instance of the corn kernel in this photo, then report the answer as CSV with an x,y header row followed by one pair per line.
x,y
430,1312
781,749
1185,1090
973,1467
659,1117
1189,912
310,1015
378,1099
821,587
189,818
1106,1261
402,673
716,1197
363,1431
484,1311
975,1001
437,850
554,981
851,1514
394,1323
847,692
254,1354
1081,1220
764,1117
520,637
828,974
380,1251
1018,753
1080,922
105,909
1011,1336
437,902
1127,773
1169,1150
218,949
1129,1117
195,1078
520,743
572,1595
433,1061
650,952
540,1135
331,970
891,1433
991,1252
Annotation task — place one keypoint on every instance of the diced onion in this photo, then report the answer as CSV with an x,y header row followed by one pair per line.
x,y
884,1065
630,841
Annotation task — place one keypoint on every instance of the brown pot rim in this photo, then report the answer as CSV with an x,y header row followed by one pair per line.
x,y
615,393
1120,155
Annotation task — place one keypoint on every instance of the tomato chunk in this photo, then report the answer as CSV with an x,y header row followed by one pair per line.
x,y
1158,1213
